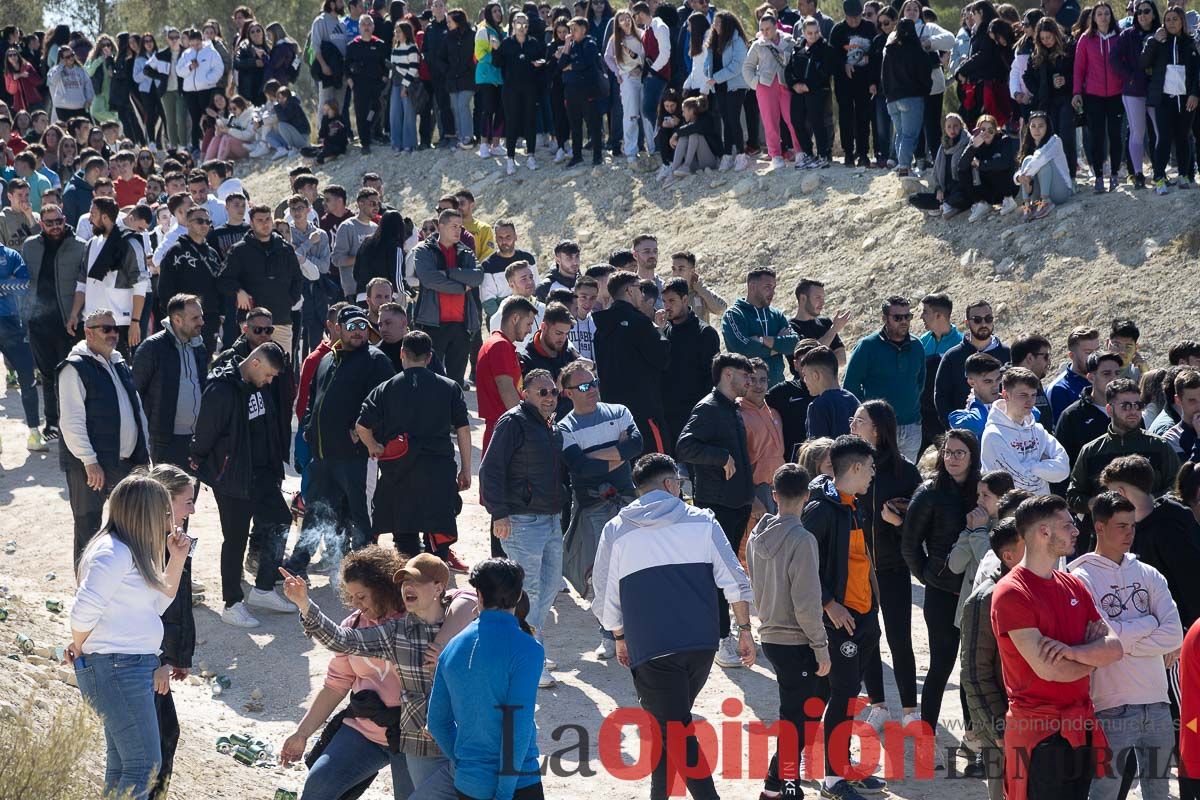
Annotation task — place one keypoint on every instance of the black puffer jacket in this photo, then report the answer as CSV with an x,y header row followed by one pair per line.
x,y
156,368
521,472
883,538
341,383
221,445
712,434
267,271
830,521
689,372
456,60
936,515
1176,51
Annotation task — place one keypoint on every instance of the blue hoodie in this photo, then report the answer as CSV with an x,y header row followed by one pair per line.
x,y
659,566
14,282
482,706
974,417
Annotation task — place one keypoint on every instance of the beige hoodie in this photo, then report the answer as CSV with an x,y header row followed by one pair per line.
x,y
784,573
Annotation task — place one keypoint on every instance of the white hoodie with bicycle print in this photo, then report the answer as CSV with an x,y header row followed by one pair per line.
x,y
1135,601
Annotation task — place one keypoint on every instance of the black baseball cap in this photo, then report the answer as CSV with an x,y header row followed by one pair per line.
x,y
351,313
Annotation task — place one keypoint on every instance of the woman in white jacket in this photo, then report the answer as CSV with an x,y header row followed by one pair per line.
x,y
934,39
200,69
233,136
763,71
626,58
697,80
1044,174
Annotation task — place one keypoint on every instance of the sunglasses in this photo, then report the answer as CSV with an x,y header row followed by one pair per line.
x,y
1129,405
264,330
53,221
901,317
979,320
547,392
105,329
201,221
586,386
357,325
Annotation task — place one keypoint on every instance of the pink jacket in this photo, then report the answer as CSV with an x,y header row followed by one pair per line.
x,y
355,673
1094,71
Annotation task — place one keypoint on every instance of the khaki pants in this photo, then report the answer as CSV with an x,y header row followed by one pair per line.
x,y
282,336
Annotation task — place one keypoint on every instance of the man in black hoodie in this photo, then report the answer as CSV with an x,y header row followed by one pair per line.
x,y
262,270
694,345
337,474
366,71
713,444
191,266
950,390
237,451
851,42
632,356
550,349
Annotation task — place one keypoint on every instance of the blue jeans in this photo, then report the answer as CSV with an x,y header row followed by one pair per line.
x,y
1148,731
14,344
351,758
121,690
1048,184
536,543
403,119
286,137
652,89
908,439
885,147
464,123
908,115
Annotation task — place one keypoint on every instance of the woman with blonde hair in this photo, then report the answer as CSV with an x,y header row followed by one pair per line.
x,y
126,580
626,58
814,456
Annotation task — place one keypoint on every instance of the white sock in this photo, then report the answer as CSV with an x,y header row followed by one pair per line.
x,y
831,781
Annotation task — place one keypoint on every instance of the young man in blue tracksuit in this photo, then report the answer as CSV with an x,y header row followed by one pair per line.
x,y
754,329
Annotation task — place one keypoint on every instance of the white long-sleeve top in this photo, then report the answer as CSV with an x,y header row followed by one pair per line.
x,y
1016,75
1135,601
167,241
634,55
696,79
206,75
73,419
1051,155
115,603
1024,450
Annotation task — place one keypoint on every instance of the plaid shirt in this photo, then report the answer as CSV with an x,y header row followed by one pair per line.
x,y
402,641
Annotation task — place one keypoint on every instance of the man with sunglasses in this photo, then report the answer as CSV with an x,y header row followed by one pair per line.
x,y
890,365
103,427
950,390
191,266
520,485
1033,352
1124,437
338,473
71,87
52,259
262,270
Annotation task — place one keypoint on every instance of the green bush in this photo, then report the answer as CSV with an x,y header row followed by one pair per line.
x,y
47,762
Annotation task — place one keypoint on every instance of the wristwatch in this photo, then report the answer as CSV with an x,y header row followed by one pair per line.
x,y
744,627
620,637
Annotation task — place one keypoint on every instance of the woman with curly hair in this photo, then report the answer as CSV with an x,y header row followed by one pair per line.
x,y
403,616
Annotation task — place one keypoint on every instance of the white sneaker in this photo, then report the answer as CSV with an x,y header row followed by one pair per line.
x,y
727,653
979,211
259,150
35,442
198,587
270,601
1008,206
741,162
510,166
279,153
484,150
912,716
663,172
237,616
531,162
876,716
726,164
800,161
607,649
547,680
550,663
777,162
560,156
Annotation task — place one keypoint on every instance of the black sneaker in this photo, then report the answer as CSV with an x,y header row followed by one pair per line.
x,y
870,785
51,433
842,790
1139,181
864,162
848,161
791,789
574,162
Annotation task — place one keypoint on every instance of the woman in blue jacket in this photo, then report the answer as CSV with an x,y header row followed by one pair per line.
x,y
488,78
579,61
725,52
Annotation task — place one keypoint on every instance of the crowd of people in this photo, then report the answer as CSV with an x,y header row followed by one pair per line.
x,y
640,430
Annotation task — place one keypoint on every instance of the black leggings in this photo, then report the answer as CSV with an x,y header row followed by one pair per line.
x,y
579,107
808,117
895,600
196,103
940,607
1174,128
130,123
849,654
750,107
931,127
520,111
1103,116
149,102
730,102
491,113
558,110
854,116
733,521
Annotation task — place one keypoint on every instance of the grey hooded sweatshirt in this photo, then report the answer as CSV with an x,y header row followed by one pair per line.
x,y
784,573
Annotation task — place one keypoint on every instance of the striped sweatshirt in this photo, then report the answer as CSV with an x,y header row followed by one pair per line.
x,y
406,62
659,566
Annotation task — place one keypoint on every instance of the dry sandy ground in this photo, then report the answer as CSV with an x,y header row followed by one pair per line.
x,y
851,229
